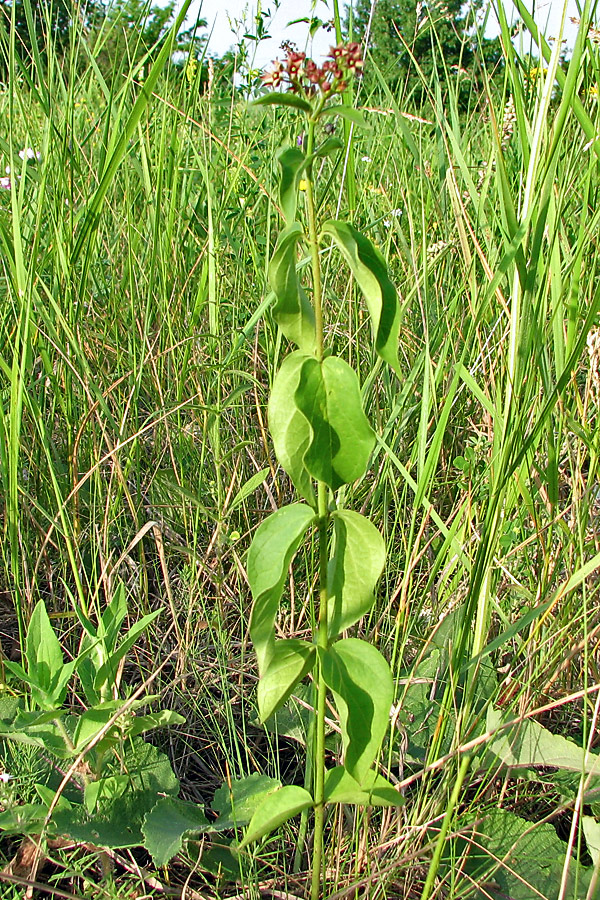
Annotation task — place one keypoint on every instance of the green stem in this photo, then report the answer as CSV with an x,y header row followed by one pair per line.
x,y
323,512
441,841
313,241
322,643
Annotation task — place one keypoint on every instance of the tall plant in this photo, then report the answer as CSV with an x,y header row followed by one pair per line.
x,y
323,440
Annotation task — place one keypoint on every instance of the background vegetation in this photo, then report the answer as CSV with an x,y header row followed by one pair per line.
x,y
136,355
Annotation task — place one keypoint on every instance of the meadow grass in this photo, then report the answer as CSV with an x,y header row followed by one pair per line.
x,y
136,356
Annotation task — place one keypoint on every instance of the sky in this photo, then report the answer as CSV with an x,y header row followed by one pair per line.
x,y
230,19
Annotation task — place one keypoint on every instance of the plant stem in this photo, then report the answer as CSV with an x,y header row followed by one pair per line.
x,y
323,512
319,760
313,241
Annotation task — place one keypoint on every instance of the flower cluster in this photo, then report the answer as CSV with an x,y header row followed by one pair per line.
x,y
28,154
301,74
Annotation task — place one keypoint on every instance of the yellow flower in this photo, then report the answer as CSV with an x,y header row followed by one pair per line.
x,y
303,185
535,72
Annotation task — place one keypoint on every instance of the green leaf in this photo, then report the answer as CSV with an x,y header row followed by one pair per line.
x,y
369,269
220,860
42,649
248,488
276,809
117,828
107,673
348,113
47,795
238,804
90,722
38,729
148,768
591,830
528,743
329,147
362,685
342,440
273,547
341,787
28,818
10,707
113,617
293,720
292,310
511,857
292,162
290,662
166,826
289,427
275,98
104,789
151,721
355,567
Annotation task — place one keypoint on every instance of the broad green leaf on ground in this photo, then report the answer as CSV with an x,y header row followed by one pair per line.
x,y
117,827
276,809
237,804
166,826
289,427
292,161
290,661
341,787
342,440
274,98
275,543
220,860
292,310
369,268
362,685
528,743
355,567
149,769
420,707
591,830
9,709
511,857
568,783
28,818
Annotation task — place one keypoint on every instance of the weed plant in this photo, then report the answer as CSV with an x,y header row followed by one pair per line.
x,y
137,354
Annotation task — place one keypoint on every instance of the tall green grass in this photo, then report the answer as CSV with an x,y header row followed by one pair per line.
x,y
136,355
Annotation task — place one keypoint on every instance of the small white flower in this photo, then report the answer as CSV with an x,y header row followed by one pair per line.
x,y
396,213
5,777
5,184
7,170
30,153
366,159
387,223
